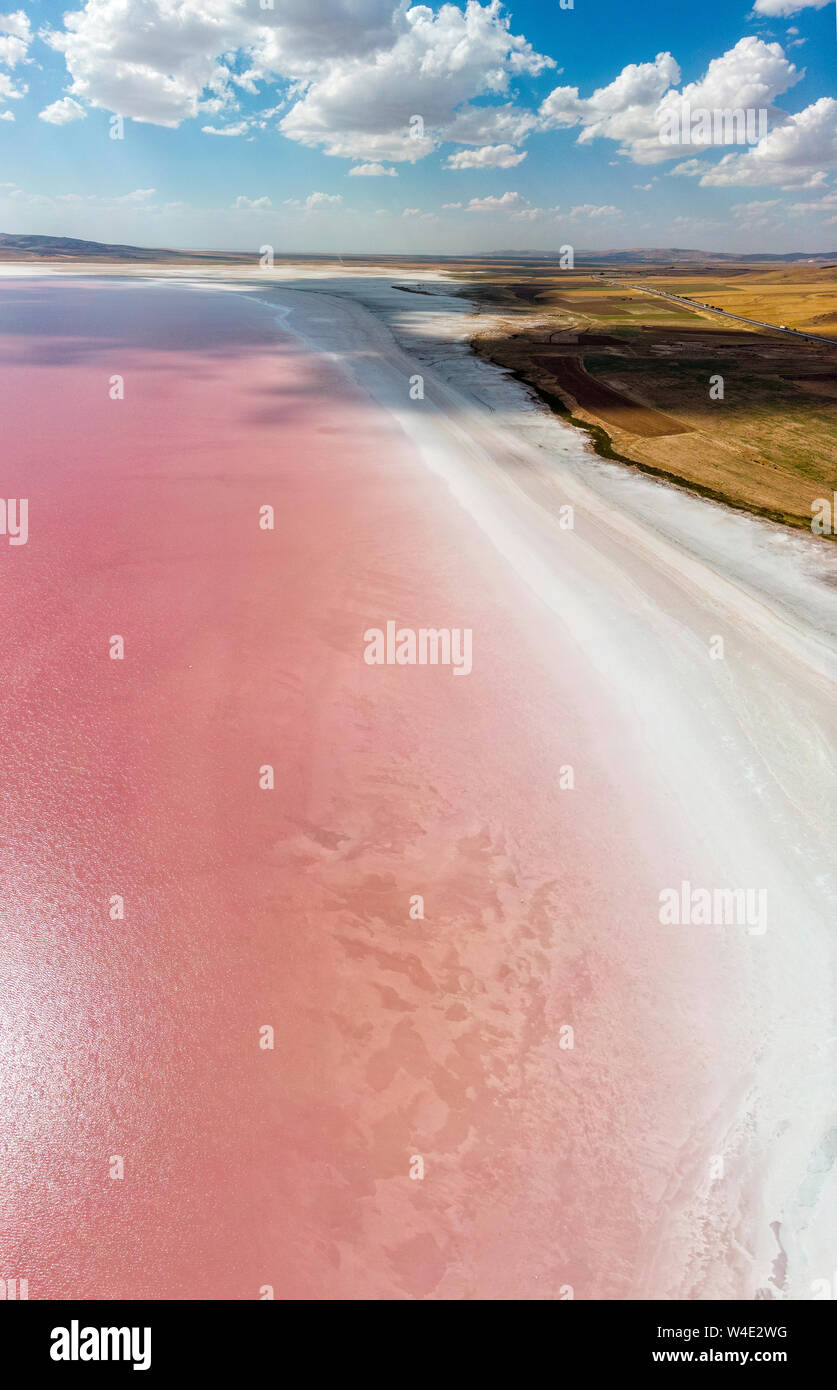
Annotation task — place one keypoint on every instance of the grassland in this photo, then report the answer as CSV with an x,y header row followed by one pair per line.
x,y
636,371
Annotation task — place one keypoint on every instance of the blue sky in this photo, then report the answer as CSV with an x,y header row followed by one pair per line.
x,y
293,122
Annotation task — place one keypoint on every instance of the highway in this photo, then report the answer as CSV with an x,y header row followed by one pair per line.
x,y
710,309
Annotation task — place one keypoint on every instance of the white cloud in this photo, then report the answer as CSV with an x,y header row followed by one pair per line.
x,y
12,50
794,155
436,63
754,209
752,74
137,201
487,157
17,24
7,116
314,201
151,60
507,202
239,128
828,203
690,167
373,171
62,112
8,90
487,125
251,204
512,205
780,9
358,69
624,110
593,210
761,214
15,38
636,108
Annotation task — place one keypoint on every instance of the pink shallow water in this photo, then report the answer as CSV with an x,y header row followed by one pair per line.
x,y
394,1037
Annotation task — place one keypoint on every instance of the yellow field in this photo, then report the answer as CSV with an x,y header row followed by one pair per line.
x,y
638,372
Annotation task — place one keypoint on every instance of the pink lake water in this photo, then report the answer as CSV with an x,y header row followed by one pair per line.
x,y
395,1037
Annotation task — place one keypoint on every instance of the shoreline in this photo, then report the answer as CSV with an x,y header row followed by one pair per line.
x,y
558,402
602,444
521,337
590,649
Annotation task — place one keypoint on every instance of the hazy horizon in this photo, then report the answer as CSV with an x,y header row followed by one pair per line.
x,y
580,253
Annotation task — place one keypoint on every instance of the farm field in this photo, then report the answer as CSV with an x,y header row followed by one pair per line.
x,y
642,373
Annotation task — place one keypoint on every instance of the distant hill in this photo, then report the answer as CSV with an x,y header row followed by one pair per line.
x,y
673,255
65,248
678,254
55,248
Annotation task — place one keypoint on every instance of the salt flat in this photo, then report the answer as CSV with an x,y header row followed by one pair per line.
x,y
683,1142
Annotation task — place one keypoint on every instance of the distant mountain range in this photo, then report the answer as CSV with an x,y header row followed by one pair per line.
x,y
65,248
669,255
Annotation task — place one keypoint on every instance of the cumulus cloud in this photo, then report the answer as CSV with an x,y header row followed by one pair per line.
x,y
314,201
794,155
239,128
507,202
16,24
383,81
691,168
62,112
594,210
501,123
251,204
624,110
512,204
640,107
15,38
754,209
152,60
759,214
373,171
358,70
363,107
487,157
781,9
